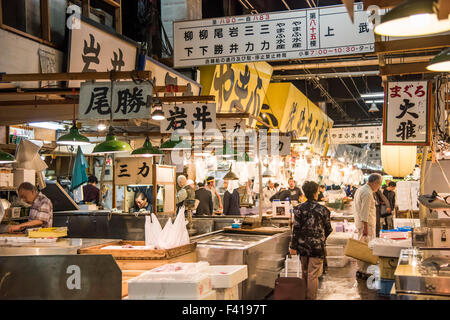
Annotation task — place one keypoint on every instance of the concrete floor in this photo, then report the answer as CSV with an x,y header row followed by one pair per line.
x,y
341,284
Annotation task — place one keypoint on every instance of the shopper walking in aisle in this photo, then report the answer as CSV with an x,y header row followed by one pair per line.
x,y
312,226
365,215
231,203
387,222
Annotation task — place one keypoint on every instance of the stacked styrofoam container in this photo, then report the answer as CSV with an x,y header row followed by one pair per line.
x,y
226,279
335,256
6,177
176,281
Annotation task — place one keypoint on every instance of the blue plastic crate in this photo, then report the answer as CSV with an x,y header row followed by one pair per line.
x,y
385,287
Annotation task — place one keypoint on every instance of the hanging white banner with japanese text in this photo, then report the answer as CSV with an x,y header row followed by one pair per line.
x,y
94,48
129,171
406,118
294,34
353,135
129,100
189,116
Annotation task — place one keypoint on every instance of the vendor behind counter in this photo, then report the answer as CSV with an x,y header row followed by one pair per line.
x,y
41,211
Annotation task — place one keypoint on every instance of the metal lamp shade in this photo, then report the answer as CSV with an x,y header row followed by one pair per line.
x,y
73,138
175,145
373,108
158,115
112,145
412,18
147,150
441,62
230,176
268,174
6,157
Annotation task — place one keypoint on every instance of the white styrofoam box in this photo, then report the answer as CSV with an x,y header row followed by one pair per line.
x,y
227,276
335,250
228,293
212,295
395,235
177,271
337,261
392,248
143,288
339,238
400,223
24,175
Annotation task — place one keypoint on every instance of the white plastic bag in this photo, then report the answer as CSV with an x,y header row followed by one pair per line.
x,y
152,231
180,230
164,239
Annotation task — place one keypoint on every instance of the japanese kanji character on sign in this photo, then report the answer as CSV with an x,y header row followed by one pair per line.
x,y
406,116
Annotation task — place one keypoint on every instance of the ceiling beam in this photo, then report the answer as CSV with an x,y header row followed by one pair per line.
x,y
404,68
416,44
11,115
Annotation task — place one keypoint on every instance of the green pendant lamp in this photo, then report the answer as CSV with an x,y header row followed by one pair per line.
x,y
441,62
175,145
73,138
111,145
412,18
147,150
6,157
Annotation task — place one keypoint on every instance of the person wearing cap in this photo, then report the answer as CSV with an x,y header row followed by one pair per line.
x,y
217,200
205,205
41,210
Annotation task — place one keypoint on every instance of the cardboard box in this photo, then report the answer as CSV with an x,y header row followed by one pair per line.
x,y
24,175
228,293
387,267
360,250
6,179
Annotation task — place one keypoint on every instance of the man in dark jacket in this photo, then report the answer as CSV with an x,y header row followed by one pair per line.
x,y
312,226
389,193
205,205
383,211
231,205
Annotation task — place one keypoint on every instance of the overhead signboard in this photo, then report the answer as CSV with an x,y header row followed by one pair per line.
x,y
165,76
129,100
96,48
188,116
294,34
293,112
129,171
356,135
407,113
241,85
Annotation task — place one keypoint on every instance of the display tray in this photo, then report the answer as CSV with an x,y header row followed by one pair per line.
x,y
261,230
139,254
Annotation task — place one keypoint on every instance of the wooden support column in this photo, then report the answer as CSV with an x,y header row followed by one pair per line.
x,y
118,18
1,14
85,8
155,189
45,20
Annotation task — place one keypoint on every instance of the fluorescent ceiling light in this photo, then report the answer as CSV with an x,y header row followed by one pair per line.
x,y
47,125
374,101
373,95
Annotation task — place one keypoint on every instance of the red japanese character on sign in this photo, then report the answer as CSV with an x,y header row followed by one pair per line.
x,y
313,30
395,91
313,36
311,22
405,90
419,91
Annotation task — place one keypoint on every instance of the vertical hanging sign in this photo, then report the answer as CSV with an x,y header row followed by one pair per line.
x,y
407,114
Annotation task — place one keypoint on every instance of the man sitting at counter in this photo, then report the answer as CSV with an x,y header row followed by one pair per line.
x,y
141,202
41,211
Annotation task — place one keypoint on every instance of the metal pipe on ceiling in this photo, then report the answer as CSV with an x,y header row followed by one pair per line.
x,y
283,77
350,63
